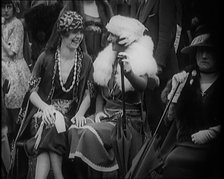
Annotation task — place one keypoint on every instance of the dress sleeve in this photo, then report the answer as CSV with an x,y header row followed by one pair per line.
x,y
37,73
90,83
167,24
16,39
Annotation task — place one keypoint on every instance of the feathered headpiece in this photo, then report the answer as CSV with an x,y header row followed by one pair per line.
x,y
126,27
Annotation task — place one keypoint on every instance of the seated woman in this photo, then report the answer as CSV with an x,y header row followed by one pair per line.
x,y
92,142
60,79
197,113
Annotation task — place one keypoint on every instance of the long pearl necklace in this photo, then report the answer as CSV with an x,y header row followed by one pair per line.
x,y
74,75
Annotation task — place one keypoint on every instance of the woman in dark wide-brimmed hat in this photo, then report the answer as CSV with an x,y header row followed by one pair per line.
x,y
58,85
196,110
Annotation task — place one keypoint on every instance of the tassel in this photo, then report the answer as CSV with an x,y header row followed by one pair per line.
x,y
38,135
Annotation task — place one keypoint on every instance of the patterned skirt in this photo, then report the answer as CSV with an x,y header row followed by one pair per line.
x,y
93,144
51,140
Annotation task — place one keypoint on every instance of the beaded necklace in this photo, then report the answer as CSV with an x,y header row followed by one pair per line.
x,y
59,69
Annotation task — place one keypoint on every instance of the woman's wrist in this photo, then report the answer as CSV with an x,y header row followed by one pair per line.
x,y
43,105
129,74
79,113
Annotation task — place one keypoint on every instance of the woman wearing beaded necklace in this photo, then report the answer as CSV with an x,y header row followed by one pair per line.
x,y
60,79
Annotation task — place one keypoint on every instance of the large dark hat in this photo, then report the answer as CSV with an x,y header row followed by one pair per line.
x,y
202,39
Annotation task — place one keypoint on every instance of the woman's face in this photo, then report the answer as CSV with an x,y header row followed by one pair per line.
x,y
7,11
73,40
112,39
206,59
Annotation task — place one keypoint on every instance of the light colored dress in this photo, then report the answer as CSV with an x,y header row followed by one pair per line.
x,y
15,69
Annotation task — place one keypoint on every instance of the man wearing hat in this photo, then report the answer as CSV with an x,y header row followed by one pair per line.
x,y
196,110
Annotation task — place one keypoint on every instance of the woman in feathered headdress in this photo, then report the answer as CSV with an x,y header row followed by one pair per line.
x,y
92,142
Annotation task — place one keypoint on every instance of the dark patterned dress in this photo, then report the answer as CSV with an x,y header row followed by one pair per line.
x,y
195,111
45,80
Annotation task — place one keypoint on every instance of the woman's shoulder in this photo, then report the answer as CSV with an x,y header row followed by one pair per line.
x,y
46,57
87,58
17,22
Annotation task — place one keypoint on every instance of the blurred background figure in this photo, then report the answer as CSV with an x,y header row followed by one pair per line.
x,y
39,18
96,14
5,148
160,18
127,8
13,63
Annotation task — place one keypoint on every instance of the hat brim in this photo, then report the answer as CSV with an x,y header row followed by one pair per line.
x,y
192,48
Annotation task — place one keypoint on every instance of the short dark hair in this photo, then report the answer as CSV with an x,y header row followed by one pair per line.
x,y
5,2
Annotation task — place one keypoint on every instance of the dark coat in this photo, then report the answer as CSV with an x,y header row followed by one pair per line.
x,y
196,111
39,22
105,10
193,112
159,16
122,7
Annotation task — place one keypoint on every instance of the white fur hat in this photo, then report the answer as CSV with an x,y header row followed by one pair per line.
x,y
126,27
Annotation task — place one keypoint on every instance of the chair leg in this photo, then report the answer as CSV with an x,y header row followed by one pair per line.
x,y
17,163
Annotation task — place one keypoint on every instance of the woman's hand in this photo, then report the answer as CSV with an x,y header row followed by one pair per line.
x,y
178,78
203,136
99,116
79,120
127,39
48,114
126,63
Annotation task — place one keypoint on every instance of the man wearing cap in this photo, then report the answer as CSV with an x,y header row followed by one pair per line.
x,y
197,114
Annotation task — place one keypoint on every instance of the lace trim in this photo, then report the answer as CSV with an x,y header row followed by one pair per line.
x,y
61,105
91,88
93,165
34,83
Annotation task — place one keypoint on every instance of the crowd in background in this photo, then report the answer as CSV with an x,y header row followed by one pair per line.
x,y
29,31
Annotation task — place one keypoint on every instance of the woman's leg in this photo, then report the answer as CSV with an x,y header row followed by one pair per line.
x,y
56,163
43,166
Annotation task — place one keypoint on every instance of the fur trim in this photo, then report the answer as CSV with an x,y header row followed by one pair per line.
x,y
141,60
126,27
